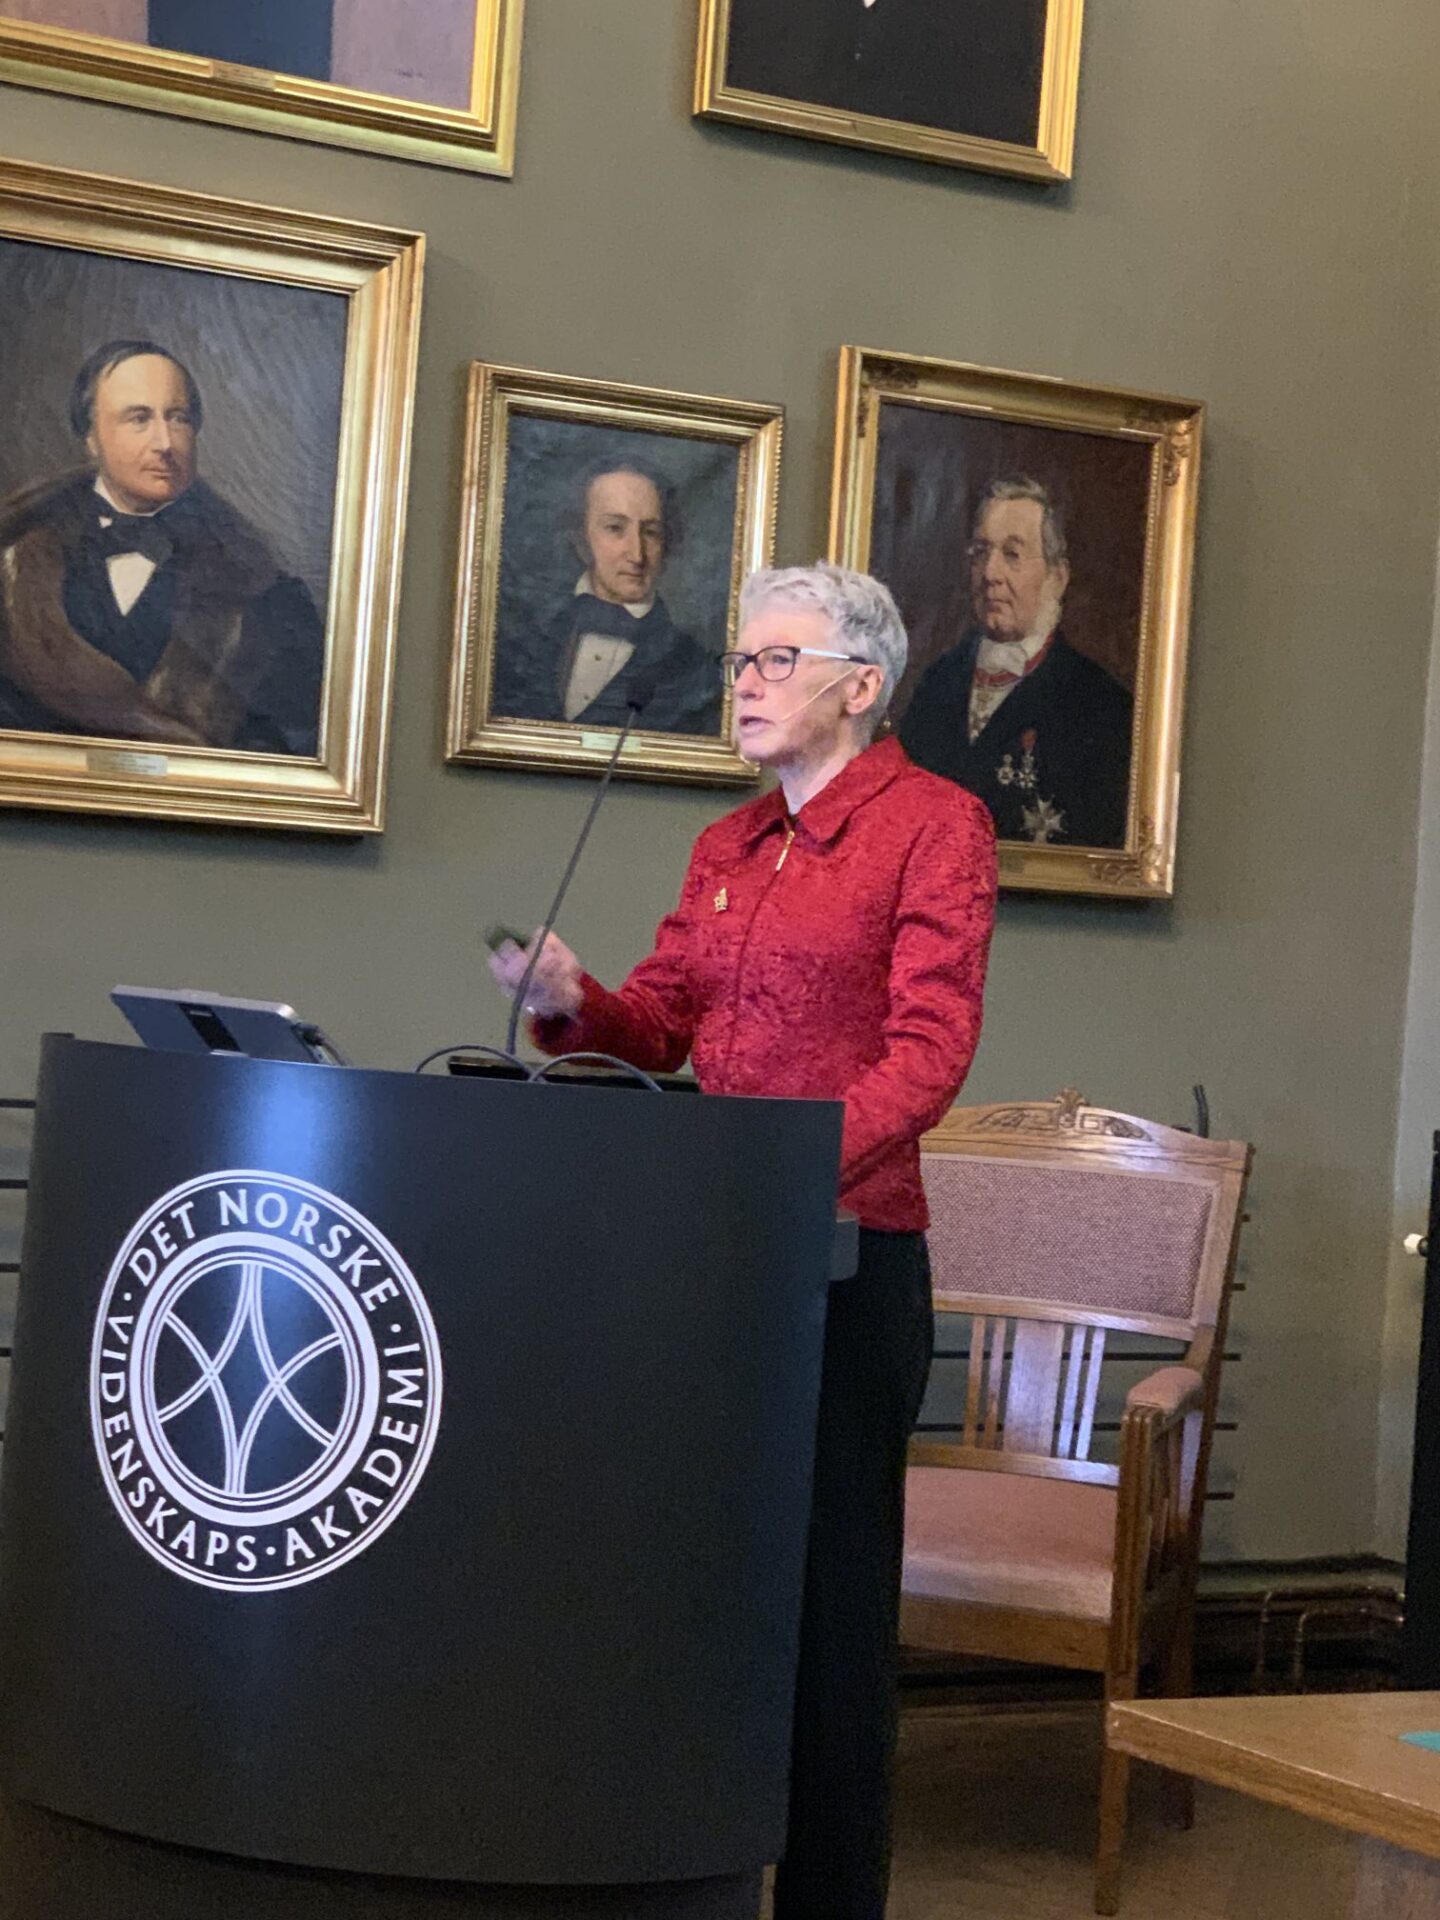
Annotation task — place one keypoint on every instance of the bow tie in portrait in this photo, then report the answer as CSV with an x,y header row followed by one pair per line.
x,y
135,533
591,614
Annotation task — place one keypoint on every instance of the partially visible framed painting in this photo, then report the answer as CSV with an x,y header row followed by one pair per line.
x,y
431,80
968,83
205,413
606,532
1039,537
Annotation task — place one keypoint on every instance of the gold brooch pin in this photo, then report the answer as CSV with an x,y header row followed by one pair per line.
x,y
722,900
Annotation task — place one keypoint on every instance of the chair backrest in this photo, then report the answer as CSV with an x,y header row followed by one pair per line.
x,y
1055,1224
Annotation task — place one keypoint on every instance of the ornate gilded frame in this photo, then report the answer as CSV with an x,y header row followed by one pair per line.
x,y
378,271
496,394
1172,429
1050,158
479,139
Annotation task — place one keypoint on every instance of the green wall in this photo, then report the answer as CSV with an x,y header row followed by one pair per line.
x,y
1252,222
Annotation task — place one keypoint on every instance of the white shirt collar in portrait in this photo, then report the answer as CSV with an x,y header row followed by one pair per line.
x,y
1011,659
130,573
598,656
637,609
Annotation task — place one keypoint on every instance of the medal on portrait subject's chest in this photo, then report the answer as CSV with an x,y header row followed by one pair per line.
x,y
722,900
1043,822
1042,819
1026,776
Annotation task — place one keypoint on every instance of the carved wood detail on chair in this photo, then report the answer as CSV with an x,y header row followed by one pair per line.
x,y
1067,1112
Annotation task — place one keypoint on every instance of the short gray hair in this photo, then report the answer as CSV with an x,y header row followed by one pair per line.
x,y
1052,528
859,607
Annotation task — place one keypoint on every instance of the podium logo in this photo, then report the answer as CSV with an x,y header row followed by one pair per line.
x,y
265,1382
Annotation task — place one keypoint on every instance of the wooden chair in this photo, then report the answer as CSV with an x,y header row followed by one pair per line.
x,y
1055,1225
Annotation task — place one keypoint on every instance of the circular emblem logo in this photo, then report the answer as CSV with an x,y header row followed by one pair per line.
x,y
265,1382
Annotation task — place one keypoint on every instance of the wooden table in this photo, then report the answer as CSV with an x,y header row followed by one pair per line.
x,y
1337,1757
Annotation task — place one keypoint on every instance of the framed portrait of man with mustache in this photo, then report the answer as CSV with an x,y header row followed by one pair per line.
x,y
973,83
1039,538
197,444
607,530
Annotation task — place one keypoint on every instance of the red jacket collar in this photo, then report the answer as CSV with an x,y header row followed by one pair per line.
x,y
822,818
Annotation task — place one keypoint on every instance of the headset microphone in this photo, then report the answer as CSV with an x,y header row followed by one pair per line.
x,y
823,690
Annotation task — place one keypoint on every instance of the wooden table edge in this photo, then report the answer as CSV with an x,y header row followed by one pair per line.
x,y
1223,1763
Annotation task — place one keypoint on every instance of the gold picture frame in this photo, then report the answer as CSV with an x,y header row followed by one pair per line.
x,y
478,136
265,280
537,446
1086,793
1043,149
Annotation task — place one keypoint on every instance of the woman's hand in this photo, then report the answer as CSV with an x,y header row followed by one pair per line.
x,y
554,989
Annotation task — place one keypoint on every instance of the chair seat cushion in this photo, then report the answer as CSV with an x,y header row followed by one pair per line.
x,y
1009,1540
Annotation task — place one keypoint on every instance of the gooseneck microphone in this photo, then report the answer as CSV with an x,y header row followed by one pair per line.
x,y
639,697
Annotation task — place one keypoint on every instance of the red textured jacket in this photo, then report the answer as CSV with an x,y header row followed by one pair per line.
x,y
841,958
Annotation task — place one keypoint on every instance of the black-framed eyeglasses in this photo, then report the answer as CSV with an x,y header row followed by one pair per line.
x,y
778,663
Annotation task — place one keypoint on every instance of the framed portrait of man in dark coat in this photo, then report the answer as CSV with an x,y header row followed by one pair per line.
x,y
183,628
1039,539
607,530
135,599
975,83
432,80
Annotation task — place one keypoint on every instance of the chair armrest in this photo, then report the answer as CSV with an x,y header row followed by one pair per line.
x,y
1171,1392
1158,1515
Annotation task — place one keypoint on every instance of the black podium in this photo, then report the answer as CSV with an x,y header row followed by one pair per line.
x,y
410,1476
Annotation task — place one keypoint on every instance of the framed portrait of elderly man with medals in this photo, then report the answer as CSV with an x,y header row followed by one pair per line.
x,y
1039,538
206,421
967,83
606,532
432,80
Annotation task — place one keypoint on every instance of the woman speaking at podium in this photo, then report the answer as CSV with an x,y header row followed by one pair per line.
x,y
830,943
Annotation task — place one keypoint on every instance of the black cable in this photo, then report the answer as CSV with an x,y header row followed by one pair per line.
x,y
605,1059
517,1006
472,1046
313,1037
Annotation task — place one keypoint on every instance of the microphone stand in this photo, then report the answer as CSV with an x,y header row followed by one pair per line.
x,y
639,698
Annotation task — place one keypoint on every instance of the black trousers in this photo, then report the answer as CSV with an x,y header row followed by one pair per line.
x,y
878,1340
